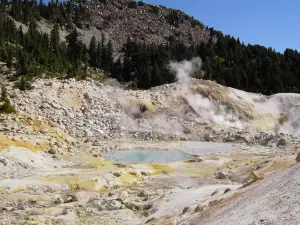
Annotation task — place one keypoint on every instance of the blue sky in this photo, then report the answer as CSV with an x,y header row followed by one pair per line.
x,y
271,23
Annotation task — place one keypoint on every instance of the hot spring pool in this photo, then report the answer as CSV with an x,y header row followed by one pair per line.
x,y
147,156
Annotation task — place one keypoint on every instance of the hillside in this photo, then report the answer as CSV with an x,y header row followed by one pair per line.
x,y
269,202
121,112
141,22
120,20
57,163
133,42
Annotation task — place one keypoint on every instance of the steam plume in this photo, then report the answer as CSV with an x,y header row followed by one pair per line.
x,y
204,107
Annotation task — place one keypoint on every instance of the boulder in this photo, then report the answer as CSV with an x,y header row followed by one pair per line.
x,y
214,193
57,199
143,194
220,175
123,196
185,210
298,158
255,176
200,208
282,142
112,205
52,150
71,198
214,202
227,190
8,209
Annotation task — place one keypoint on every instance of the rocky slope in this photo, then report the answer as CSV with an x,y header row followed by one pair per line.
x,y
95,111
53,150
118,21
122,19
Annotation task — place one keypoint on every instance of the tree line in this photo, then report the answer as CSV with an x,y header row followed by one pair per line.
x,y
226,59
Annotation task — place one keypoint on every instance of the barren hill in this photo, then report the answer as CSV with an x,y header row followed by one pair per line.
x,y
123,19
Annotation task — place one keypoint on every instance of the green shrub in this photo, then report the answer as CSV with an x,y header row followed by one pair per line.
x,y
3,94
24,84
6,106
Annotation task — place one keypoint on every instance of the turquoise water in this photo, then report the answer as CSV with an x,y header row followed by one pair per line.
x,y
147,156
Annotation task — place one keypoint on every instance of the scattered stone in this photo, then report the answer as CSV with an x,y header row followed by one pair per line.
x,y
214,202
71,198
133,173
112,205
143,194
196,159
185,210
52,150
121,165
146,214
298,158
200,208
123,195
227,190
221,176
150,220
3,161
214,193
256,176
282,142
8,209
58,199
145,173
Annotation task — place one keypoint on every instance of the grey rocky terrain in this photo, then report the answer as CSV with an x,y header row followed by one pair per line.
x,y
55,170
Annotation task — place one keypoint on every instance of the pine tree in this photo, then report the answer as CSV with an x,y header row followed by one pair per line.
x,y
117,70
32,30
103,51
109,59
9,59
24,84
157,80
85,72
23,64
55,38
4,94
93,52
144,80
99,54
1,37
72,40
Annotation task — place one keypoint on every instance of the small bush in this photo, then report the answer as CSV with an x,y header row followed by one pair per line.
x,y
7,107
24,84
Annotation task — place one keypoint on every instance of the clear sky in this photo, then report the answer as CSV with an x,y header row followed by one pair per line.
x,y
271,23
